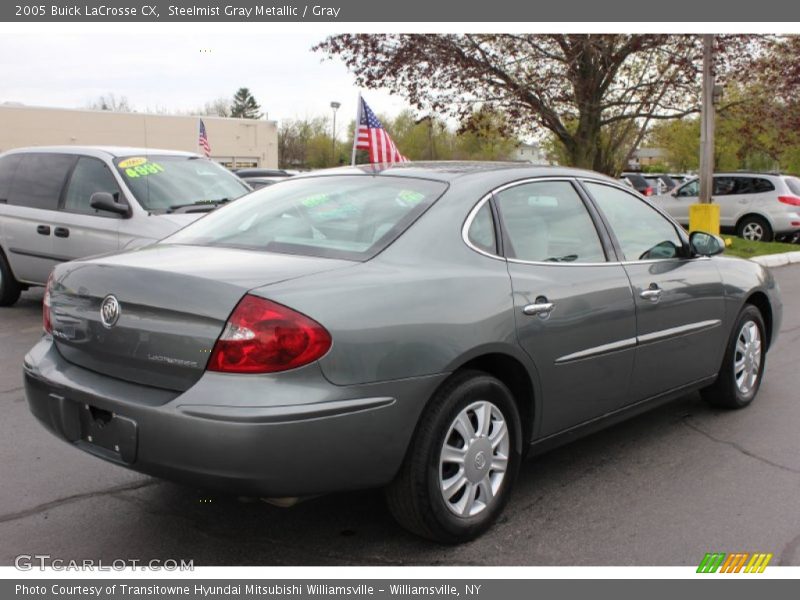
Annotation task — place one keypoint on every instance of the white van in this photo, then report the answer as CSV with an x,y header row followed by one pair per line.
x,y
62,203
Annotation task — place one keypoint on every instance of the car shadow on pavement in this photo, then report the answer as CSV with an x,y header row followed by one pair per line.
x,y
356,527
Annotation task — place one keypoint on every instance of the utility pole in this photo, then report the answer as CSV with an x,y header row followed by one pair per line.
x,y
705,215
707,124
335,106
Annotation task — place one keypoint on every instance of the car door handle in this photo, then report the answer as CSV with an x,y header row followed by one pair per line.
x,y
541,307
61,232
43,230
653,293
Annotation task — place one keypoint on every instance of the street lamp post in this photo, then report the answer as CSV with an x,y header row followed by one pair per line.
x,y
335,106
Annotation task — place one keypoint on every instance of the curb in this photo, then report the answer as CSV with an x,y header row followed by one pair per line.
x,y
777,260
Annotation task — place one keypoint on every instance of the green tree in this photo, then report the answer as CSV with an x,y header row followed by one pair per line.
x,y
596,94
244,105
485,135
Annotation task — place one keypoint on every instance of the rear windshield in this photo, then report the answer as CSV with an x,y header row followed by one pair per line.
x,y
794,184
350,216
177,183
637,180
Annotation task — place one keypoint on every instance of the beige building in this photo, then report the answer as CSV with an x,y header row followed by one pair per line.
x,y
235,143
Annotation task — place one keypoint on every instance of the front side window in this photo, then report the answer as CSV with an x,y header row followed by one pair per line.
x,y
88,177
690,190
349,216
547,222
642,232
175,183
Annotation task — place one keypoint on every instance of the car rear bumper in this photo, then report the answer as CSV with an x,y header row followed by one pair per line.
x,y
784,222
290,435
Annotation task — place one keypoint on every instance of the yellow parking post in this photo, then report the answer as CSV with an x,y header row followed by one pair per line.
x,y
704,217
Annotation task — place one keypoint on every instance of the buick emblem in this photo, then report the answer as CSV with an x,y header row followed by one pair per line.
x,y
480,461
109,311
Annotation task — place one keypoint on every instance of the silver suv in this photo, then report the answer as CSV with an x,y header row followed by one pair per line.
x,y
756,206
62,203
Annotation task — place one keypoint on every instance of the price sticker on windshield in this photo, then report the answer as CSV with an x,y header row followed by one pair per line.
x,y
139,166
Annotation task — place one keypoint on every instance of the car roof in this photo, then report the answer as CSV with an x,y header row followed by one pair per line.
x,y
452,170
97,151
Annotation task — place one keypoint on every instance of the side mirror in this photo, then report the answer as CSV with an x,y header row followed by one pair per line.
x,y
674,193
705,244
106,201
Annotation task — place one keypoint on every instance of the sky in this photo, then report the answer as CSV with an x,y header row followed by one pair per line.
x,y
181,71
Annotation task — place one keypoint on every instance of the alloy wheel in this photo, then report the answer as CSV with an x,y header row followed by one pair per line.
x,y
747,357
752,231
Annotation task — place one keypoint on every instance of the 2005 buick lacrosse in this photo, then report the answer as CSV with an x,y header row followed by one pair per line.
x,y
420,327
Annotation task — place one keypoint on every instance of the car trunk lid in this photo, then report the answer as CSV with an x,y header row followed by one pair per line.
x,y
172,303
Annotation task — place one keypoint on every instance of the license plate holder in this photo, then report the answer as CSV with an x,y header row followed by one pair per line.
x,y
107,434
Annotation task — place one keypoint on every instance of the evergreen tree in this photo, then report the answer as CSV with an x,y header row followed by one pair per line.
x,y
244,105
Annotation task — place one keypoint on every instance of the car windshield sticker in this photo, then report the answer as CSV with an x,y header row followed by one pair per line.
x,y
140,167
410,197
132,162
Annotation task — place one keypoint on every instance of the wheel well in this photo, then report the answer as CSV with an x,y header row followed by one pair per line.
x,y
752,215
761,302
514,375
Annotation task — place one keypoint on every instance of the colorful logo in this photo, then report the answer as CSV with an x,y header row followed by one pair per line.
x,y
735,562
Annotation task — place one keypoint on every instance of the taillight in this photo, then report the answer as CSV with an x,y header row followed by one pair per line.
x,y
791,200
47,322
648,191
265,337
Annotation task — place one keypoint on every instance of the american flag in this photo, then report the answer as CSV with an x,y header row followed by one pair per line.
x,y
372,136
202,141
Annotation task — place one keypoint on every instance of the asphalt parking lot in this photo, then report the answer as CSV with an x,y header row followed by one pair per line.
x,y
661,489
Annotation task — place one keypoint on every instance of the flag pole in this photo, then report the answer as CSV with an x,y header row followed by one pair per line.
x,y
355,133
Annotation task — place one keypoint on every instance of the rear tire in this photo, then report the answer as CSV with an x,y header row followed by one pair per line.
x,y
755,229
743,365
10,288
453,485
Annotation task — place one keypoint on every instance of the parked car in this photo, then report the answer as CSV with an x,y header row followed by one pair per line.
x,y
421,327
680,178
258,172
639,183
756,206
62,203
660,182
260,182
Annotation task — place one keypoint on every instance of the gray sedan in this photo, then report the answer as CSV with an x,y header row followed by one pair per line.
x,y
420,327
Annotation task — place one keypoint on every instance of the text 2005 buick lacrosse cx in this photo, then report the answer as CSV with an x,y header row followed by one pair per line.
x,y
419,327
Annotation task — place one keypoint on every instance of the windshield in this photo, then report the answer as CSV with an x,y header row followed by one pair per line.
x,y
173,183
350,216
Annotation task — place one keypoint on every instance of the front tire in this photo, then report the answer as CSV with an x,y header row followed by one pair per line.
x,y
743,365
10,288
462,462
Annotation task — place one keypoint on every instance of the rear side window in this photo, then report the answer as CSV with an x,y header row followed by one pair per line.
x,y
349,216
8,164
39,179
548,222
89,176
794,185
730,186
481,231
